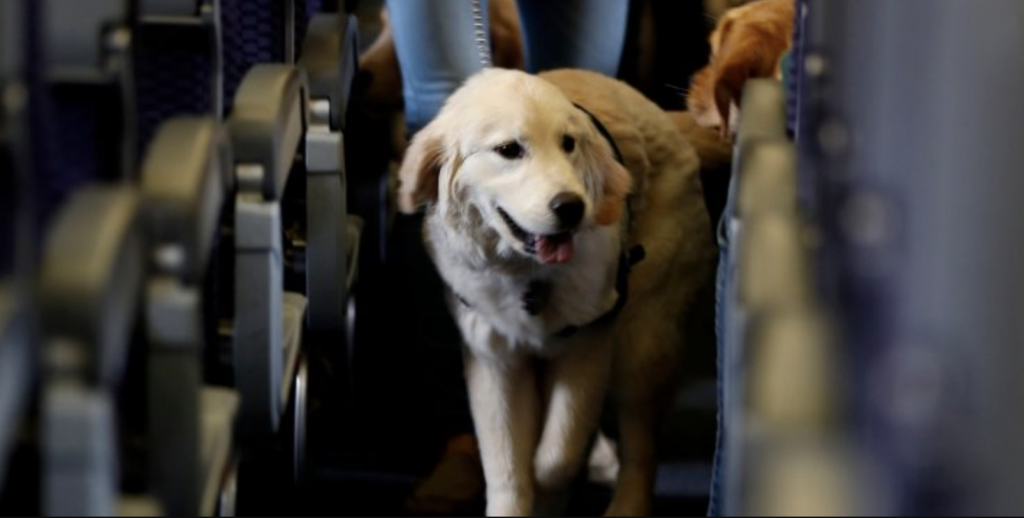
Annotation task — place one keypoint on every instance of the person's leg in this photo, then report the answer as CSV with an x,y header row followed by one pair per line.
x,y
587,34
436,42
724,303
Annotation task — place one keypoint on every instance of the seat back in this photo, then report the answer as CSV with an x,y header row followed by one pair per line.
x,y
925,179
178,62
255,31
89,293
185,182
90,133
893,106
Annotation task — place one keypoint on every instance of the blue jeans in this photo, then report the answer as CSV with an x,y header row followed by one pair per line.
x,y
725,323
436,44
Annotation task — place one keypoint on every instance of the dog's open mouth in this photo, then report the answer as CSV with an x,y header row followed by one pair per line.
x,y
552,249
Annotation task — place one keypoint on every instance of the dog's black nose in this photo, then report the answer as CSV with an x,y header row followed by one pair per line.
x,y
569,208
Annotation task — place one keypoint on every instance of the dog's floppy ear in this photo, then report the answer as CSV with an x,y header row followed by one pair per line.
x,y
420,171
618,184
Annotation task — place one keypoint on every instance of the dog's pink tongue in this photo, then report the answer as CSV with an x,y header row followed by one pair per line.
x,y
555,249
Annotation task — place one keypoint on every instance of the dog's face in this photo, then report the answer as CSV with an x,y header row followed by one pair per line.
x,y
747,43
514,150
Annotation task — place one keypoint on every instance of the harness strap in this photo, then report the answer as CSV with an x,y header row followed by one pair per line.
x,y
626,263
604,133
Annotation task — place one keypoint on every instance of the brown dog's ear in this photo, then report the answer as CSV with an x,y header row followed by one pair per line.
x,y
748,43
618,183
729,89
752,54
720,36
420,171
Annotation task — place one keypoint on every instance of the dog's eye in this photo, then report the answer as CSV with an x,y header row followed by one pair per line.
x,y
568,144
510,150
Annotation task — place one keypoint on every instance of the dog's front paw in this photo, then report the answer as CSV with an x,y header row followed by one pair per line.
x,y
554,472
603,468
508,503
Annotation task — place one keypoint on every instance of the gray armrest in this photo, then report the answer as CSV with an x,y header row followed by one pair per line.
x,y
330,57
185,178
91,277
267,126
769,178
259,312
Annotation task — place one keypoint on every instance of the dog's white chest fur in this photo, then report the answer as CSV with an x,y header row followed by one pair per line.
x,y
492,314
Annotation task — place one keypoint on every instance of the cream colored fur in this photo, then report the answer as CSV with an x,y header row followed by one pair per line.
x,y
536,398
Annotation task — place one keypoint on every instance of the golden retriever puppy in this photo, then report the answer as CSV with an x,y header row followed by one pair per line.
x,y
747,43
565,215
